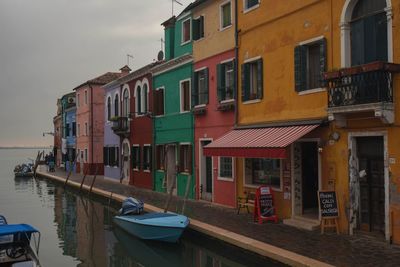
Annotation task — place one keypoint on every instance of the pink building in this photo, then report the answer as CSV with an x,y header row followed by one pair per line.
x,y
90,122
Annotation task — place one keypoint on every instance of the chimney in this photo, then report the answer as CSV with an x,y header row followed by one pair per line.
x,y
125,70
169,38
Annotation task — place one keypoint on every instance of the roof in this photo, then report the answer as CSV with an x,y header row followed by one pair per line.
x,y
270,142
193,5
133,75
102,79
10,229
166,65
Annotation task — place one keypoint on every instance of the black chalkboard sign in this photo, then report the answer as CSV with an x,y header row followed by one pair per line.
x,y
266,205
328,205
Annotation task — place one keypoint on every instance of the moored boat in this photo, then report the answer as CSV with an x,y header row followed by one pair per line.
x,y
159,226
15,244
23,170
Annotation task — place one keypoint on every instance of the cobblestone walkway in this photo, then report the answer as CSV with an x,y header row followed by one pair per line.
x,y
339,250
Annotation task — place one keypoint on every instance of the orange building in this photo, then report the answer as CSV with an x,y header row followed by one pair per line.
x,y
316,102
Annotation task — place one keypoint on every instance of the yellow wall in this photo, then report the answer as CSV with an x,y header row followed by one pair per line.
x,y
272,31
215,41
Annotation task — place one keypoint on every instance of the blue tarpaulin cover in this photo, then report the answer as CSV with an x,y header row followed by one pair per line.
x,y
10,229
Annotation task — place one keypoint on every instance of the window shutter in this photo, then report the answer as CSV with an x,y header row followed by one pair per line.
x,y
150,158
195,89
245,81
260,75
220,82
190,161
206,85
138,158
196,29
322,62
235,89
133,157
300,68
117,156
201,27
105,155
181,158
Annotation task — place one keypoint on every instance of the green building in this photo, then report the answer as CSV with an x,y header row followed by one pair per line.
x,y
173,118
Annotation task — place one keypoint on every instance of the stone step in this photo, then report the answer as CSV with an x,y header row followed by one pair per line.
x,y
302,223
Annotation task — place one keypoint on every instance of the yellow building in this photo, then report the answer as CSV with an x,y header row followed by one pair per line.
x,y
316,109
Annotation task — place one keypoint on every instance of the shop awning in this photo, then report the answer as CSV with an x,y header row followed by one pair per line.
x,y
270,142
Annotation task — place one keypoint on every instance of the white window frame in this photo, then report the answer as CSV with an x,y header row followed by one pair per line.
x,y
188,144
221,17
245,10
221,178
183,42
125,88
145,97
197,71
181,95
278,189
225,62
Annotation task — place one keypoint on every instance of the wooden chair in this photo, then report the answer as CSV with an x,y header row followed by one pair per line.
x,y
246,202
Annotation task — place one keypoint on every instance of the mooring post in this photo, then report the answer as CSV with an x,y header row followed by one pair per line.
x,y
70,169
94,178
83,180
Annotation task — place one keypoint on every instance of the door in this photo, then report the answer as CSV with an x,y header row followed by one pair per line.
x,y
372,187
309,161
171,168
125,163
206,175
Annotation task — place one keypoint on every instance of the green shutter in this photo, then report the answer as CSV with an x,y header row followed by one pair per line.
x,y
220,82
206,84
245,82
195,29
138,158
201,27
322,61
300,67
195,89
260,74
150,158
235,89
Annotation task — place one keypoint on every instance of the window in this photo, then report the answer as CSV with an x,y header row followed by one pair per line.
x,y
186,25
310,64
67,130
226,80
158,101
263,171
147,157
86,155
79,129
143,106
226,15
73,128
82,156
160,157
108,108
225,168
200,87
125,103
116,105
77,100
138,100
116,158
106,156
248,4
198,28
136,157
185,96
86,98
368,32
252,80
185,162
86,128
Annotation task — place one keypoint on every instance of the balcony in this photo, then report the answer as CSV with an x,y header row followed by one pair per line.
x,y
361,89
120,125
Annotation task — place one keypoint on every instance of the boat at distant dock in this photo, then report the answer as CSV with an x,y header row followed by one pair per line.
x,y
23,170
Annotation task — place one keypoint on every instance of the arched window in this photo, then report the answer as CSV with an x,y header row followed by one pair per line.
x,y
116,106
144,98
138,102
368,32
108,108
125,103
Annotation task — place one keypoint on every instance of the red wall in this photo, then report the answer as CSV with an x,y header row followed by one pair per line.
x,y
212,125
141,133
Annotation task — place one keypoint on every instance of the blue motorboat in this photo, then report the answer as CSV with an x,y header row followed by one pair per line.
x,y
159,226
15,244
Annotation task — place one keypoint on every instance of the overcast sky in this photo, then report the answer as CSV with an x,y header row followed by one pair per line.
x,y
48,47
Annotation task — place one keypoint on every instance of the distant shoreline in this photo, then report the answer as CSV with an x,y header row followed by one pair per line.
x,y
24,147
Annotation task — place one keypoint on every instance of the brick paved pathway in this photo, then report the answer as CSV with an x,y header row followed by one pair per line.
x,y
339,250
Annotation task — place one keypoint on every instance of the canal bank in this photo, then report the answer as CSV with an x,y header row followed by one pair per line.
x,y
276,241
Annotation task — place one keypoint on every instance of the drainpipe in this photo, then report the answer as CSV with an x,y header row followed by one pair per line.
x,y
91,123
236,64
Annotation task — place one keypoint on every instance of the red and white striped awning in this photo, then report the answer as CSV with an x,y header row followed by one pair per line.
x,y
268,142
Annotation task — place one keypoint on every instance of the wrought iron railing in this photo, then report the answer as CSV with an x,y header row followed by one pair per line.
x,y
364,84
120,125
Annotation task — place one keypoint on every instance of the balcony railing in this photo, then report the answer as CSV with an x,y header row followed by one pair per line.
x,y
364,84
120,125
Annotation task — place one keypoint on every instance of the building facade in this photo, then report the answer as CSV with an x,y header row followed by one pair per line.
x,y
57,122
69,131
213,97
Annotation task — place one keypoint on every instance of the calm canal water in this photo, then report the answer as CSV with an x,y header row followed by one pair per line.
x,y
78,231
